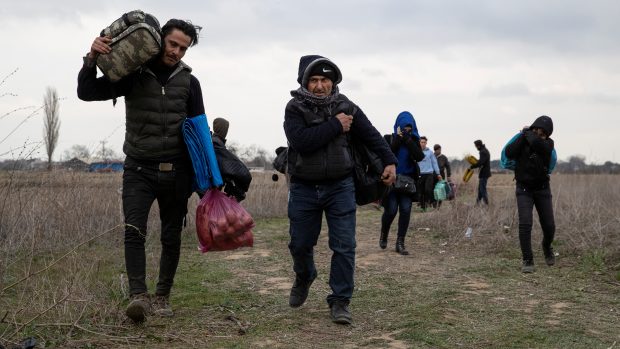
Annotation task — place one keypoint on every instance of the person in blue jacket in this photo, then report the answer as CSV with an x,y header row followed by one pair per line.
x,y
405,144
532,151
429,171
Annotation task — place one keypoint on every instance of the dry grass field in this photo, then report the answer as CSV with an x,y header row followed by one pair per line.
x,y
62,278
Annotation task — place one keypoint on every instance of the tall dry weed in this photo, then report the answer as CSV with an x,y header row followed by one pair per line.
x,y
61,239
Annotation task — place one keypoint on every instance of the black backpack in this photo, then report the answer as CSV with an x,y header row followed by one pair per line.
x,y
368,169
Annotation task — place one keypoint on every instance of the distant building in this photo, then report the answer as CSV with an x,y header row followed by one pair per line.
x,y
74,164
106,166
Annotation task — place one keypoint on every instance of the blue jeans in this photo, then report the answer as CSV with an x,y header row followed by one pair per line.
x,y
482,190
306,205
396,202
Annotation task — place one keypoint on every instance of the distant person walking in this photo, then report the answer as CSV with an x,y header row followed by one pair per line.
x,y
444,165
406,146
442,162
532,152
429,171
484,164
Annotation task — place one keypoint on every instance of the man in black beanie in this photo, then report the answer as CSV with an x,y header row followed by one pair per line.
x,y
318,121
484,164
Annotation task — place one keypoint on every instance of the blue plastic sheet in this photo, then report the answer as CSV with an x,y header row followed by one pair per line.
x,y
197,137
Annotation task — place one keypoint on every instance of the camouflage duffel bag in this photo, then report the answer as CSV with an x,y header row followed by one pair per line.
x,y
136,38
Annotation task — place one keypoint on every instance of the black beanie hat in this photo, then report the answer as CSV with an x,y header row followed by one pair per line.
x,y
307,65
324,69
478,143
545,123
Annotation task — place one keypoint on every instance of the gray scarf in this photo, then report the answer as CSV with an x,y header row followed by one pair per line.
x,y
303,94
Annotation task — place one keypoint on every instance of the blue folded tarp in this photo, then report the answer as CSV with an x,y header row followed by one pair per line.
x,y
197,136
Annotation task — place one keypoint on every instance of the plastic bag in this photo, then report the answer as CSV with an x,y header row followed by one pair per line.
x,y
440,191
222,224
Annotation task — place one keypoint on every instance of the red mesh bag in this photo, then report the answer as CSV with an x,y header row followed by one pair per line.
x,y
222,224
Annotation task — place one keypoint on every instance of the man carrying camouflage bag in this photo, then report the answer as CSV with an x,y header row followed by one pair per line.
x,y
158,98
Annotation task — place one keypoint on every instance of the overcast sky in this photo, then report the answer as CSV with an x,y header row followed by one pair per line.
x,y
466,69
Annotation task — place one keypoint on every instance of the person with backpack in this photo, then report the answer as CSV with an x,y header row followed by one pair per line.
x,y
405,144
319,123
235,173
532,151
484,164
158,98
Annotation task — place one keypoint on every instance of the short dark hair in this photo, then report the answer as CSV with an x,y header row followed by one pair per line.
x,y
424,138
185,26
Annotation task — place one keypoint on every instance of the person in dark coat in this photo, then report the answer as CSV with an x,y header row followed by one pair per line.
x,y
532,151
443,163
484,164
406,146
158,98
319,122
235,174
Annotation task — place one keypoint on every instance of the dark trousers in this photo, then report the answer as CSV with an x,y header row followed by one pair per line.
x,y
425,189
526,201
396,202
306,206
482,190
141,186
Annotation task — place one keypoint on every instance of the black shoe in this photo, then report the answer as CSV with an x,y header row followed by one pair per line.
x,y
340,313
528,266
549,255
400,246
299,292
383,239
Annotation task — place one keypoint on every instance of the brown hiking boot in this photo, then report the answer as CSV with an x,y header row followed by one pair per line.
x,y
161,306
139,307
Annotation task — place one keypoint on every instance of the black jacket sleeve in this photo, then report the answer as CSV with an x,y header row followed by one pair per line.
x,y
195,103
368,134
514,149
541,146
414,148
485,157
446,164
91,88
308,139
396,143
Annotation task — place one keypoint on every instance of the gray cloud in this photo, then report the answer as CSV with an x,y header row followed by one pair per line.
x,y
505,90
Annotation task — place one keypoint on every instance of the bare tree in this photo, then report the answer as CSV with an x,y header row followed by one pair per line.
x,y
51,124
77,151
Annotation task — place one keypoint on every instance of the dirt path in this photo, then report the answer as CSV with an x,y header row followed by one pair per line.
x,y
441,295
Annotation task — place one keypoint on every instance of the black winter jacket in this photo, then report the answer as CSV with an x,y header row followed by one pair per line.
x,y
484,163
533,155
315,136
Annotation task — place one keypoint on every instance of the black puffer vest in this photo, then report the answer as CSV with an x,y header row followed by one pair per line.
x,y
331,162
155,115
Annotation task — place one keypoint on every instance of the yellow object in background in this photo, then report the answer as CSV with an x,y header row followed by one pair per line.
x,y
467,175
471,159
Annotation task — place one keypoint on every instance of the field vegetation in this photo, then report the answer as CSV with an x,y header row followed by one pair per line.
x,y
63,283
